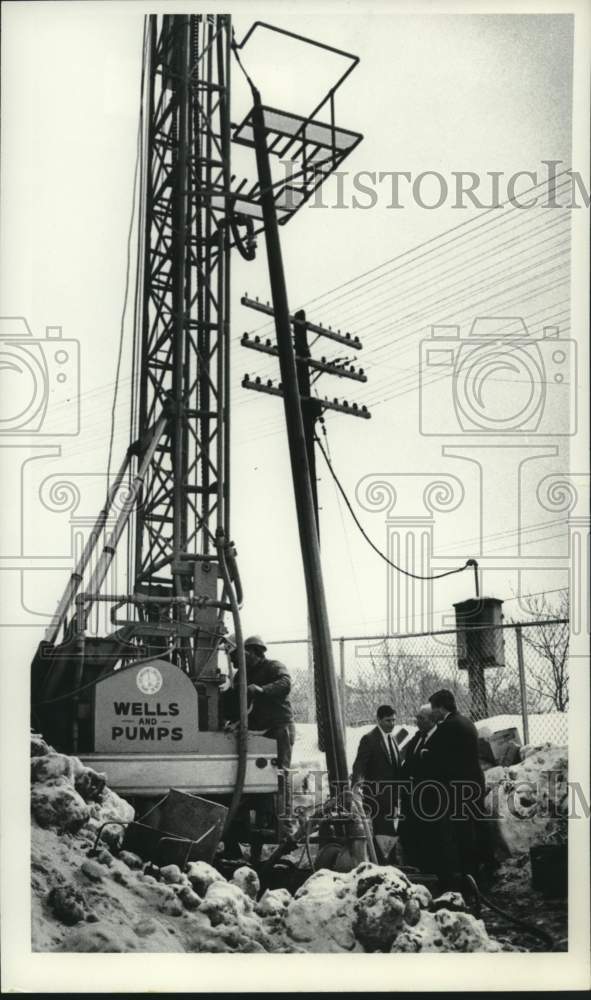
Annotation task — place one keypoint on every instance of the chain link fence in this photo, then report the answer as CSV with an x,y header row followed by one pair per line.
x,y
528,691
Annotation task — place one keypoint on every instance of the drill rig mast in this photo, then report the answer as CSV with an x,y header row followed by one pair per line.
x,y
184,362
184,365
178,507
182,575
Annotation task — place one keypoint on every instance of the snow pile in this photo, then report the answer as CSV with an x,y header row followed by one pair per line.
x,y
530,799
375,909
67,796
445,931
109,901
83,904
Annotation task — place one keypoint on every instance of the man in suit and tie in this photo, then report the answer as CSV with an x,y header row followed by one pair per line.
x,y
426,726
377,767
411,828
452,761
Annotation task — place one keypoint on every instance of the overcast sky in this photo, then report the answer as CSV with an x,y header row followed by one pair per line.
x,y
431,93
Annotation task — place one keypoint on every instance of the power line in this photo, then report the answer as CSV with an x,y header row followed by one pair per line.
x,y
482,283
406,383
361,638
413,377
467,222
399,569
487,284
413,387
464,306
138,159
488,249
346,536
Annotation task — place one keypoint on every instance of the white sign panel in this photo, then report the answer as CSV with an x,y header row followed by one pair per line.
x,y
146,709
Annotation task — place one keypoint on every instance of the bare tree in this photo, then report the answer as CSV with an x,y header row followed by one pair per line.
x,y
503,694
548,669
406,680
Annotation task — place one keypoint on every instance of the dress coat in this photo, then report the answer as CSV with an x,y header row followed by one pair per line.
x,y
380,776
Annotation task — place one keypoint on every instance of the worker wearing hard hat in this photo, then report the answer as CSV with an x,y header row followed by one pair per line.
x,y
268,688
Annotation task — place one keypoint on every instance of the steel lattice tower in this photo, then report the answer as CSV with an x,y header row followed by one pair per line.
x,y
183,363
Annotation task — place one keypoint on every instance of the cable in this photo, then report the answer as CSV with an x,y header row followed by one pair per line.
x,y
137,317
119,670
399,569
342,517
396,290
128,259
412,379
517,921
380,344
111,673
435,281
426,243
242,734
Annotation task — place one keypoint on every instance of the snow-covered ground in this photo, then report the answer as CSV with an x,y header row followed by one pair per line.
x,y
107,903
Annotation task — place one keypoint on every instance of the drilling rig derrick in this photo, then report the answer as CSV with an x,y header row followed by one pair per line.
x,y
181,574
184,353
177,464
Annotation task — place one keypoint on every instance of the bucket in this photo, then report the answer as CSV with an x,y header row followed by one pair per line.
x,y
549,869
182,828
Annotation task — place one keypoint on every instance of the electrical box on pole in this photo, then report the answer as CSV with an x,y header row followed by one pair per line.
x,y
480,644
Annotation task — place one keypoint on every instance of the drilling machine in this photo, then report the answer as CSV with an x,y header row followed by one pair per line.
x,y
142,704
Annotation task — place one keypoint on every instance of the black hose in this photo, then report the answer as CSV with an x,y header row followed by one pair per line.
x,y
530,928
242,696
235,574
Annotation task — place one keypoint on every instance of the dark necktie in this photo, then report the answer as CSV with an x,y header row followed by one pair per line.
x,y
392,750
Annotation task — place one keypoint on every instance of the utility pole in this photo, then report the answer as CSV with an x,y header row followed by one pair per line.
x,y
312,409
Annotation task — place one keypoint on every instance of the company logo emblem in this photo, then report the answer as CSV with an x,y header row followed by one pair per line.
x,y
149,680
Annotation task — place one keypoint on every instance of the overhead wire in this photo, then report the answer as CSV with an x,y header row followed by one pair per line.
x,y
455,256
476,224
138,159
99,423
466,223
535,281
346,536
432,301
538,282
413,377
335,638
399,569
413,384
137,323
